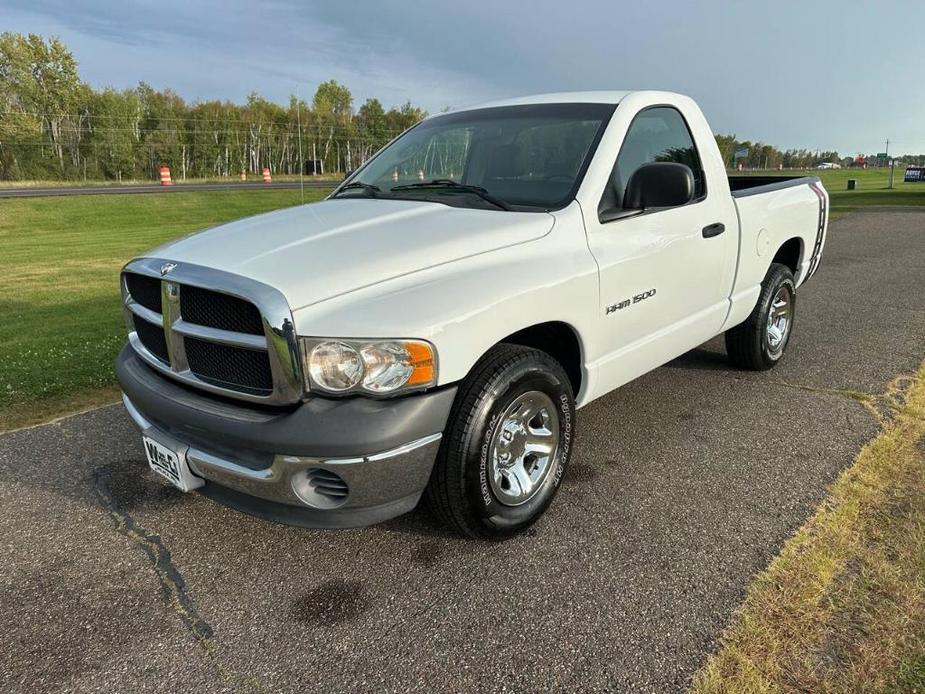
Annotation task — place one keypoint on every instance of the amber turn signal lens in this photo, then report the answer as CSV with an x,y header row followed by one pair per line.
x,y
422,359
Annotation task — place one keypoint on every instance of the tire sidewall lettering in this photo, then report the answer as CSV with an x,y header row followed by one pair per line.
x,y
484,453
491,508
565,431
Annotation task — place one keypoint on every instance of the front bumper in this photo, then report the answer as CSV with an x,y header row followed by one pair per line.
x,y
258,460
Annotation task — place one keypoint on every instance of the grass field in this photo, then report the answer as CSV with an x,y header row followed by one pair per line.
x,y
60,317
872,188
60,322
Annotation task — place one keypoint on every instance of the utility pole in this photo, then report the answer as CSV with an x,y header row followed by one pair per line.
x,y
887,150
298,115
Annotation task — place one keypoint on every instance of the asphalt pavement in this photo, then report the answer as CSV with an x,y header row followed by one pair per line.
x,y
59,191
683,484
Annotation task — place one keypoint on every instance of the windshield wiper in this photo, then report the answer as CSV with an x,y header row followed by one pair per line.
x,y
449,184
368,188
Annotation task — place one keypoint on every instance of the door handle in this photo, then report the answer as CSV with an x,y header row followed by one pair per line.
x,y
712,230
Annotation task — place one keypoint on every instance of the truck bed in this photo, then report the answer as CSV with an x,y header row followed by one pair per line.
x,y
777,214
742,186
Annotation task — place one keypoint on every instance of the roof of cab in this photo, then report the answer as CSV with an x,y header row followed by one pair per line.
x,y
593,97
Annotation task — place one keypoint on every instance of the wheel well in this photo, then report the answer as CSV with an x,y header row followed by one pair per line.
x,y
559,341
789,254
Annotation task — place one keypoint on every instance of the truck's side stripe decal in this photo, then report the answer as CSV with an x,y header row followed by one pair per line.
x,y
817,249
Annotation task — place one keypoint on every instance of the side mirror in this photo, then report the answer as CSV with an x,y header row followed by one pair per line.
x,y
659,184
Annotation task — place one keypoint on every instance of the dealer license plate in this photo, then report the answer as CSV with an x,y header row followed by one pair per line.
x,y
171,465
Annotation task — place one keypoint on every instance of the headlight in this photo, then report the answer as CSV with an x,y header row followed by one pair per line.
x,y
377,367
335,366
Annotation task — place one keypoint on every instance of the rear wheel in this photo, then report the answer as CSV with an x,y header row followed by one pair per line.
x,y
759,343
506,445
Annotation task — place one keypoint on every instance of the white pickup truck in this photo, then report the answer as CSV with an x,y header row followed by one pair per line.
x,y
432,326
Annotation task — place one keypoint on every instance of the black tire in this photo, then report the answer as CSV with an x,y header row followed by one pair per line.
x,y
459,492
748,344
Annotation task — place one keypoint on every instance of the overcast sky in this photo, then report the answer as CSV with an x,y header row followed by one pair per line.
x,y
817,74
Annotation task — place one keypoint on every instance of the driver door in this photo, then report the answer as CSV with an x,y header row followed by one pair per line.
x,y
664,273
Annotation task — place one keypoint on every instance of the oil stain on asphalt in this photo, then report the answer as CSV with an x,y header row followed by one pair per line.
x,y
581,473
427,553
332,602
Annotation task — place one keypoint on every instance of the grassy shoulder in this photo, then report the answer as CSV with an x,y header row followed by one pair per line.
x,y
842,608
60,318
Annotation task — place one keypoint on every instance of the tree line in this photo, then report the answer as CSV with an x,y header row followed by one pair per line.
x,y
759,155
55,126
764,156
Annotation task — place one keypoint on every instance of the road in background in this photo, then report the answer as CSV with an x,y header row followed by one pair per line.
x,y
683,484
54,191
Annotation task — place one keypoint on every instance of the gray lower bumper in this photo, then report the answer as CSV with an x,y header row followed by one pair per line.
x,y
280,485
380,486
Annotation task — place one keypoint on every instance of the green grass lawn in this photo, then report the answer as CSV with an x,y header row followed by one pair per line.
x,y
872,188
60,318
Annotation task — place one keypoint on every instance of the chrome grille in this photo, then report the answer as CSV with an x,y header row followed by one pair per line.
x,y
152,337
236,368
145,290
217,310
213,330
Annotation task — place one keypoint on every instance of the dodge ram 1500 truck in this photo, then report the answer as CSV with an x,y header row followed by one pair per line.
x,y
431,327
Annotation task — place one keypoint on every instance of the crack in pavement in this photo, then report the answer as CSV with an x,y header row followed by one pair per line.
x,y
882,406
173,586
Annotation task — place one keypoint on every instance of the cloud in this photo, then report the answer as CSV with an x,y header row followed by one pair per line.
x,y
786,72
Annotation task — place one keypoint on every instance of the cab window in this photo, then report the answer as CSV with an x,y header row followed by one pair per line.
x,y
656,134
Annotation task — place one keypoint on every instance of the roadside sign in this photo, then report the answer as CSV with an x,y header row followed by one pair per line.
x,y
914,174
741,153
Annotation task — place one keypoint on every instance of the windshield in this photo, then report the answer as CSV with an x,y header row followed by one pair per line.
x,y
529,157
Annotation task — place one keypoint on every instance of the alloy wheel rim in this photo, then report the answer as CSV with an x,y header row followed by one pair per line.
x,y
780,318
523,448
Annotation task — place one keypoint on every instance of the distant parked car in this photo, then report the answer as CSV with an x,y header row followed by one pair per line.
x,y
828,165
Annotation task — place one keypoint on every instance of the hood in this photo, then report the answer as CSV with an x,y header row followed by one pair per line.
x,y
317,251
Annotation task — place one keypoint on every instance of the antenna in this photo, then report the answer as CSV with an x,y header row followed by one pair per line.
x,y
298,116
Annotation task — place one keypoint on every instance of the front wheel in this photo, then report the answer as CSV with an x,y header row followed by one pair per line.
x,y
759,343
506,446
